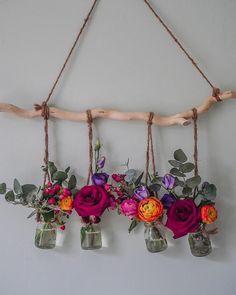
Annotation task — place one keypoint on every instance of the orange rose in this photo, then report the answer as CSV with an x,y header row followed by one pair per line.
x,y
66,203
208,214
149,209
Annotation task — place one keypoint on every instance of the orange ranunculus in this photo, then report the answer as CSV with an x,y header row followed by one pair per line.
x,y
149,209
66,203
208,214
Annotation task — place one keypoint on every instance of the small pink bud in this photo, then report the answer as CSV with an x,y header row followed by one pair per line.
x,y
46,191
62,227
49,184
57,188
52,201
66,192
52,192
107,187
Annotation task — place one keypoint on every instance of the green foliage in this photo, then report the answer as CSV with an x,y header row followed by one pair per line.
x,y
10,196
180,156
187,167
193,181
59,176
133,224
154,187
72,182
3,188
130,175
177,172
174,163
17,187
67,170
52,168
139,179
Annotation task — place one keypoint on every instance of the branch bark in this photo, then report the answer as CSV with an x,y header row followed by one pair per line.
x,y
183,118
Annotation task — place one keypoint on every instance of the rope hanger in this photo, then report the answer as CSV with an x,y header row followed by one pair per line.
x,y
183,118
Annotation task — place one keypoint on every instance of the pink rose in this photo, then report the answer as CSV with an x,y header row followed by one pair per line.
x,y
91,200
129,208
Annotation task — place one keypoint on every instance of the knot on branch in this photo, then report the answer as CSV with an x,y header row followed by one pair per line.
x,y
150,118
215,93
44,108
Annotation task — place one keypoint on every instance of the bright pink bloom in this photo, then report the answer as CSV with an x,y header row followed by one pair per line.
x,y
129,208
52,201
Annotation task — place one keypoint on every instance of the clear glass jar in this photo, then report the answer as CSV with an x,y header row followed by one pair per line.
x,y
200,243
154,238
91,237
45,236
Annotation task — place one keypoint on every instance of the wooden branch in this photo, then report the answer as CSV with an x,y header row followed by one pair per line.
x,y
183,118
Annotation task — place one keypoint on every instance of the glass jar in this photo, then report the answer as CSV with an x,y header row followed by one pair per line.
x,y
91,237
154,238
45,236
200,243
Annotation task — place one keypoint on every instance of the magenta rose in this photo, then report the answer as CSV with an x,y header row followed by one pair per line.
x,y
91,200
183,217
129,208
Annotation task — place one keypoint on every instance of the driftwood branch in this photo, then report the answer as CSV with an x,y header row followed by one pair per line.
x,y
183,118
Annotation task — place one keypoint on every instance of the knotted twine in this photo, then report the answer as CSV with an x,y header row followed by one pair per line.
x,y
90,139
150,149
45,110
215,90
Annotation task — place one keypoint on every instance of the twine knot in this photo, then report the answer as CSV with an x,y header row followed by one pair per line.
x,y
44,108
150,118
215,93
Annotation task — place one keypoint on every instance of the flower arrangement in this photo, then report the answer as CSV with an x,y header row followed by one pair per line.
x,y
190,205
52,203
91,201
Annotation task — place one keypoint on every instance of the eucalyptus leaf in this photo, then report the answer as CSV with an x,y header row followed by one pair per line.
x,y
74,191
180,156
187,167
154,187
130,175
67,170
60,176
139,179
52,168
198,200
3,188
193,182
176,172
209,191
187,191
17,187
28,188
133,224
72,182
82,233
10,197
32,214
175,163
178,182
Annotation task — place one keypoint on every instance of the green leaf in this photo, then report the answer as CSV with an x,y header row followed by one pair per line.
x,y
10,197
187,167
67,170
198,200
187,191
133,224
74,191
3,188
176,172
130,175
28,188
209,191
193,182
178,182
32,214
52,168
72,182
139,179
48,216
82,233
180,156
175,163
17,187
59,176
154,187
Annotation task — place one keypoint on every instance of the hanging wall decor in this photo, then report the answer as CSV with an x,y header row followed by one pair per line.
x,y
92,200
178,201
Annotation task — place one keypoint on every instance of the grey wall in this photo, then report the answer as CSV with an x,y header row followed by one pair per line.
x,y
125,61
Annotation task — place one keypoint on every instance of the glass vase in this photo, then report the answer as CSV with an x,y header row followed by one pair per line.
x,y
45,236
200,244
91,237
154,238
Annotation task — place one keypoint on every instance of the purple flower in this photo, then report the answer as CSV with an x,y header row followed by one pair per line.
x,y
101,162
168,181
141,193
168,200
100,178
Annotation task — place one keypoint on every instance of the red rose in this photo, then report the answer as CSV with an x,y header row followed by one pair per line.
x,y
91,200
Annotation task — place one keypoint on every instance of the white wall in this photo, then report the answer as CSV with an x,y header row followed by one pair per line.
x,y
125,61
